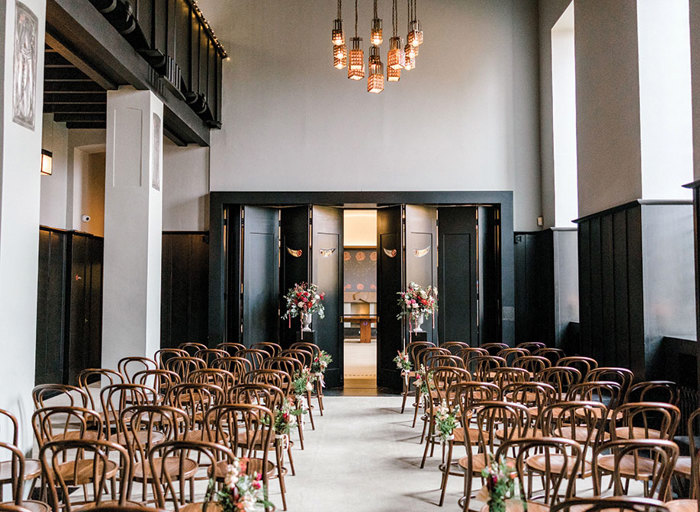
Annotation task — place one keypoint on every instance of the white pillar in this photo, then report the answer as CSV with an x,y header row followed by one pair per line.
x,y
133,225
22,73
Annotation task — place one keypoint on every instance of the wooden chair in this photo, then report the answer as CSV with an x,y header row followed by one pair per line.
x,y
511,354
231,348
209,355
57,423
438,360
551,353
169,489
305,357
653,391
273,349
195,399
114,400
467,395
88,464
161,356
481,366
582,364
100,375
455,347
237,366
650,461
467,353
216,376
15,469
74,396
532,345
159,380
533,395
622,376
192,347
561,377
610,504
255,356
494,348
687,465
408,376
511,419
608,393
533,364
545,454
129,366
152,425
645,420
184,365
503,376
423,355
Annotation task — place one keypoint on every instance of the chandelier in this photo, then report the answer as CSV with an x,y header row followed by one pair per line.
x,y
399,56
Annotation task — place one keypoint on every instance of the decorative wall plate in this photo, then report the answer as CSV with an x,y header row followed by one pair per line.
x,y
391,253
296,253
419,253
327,252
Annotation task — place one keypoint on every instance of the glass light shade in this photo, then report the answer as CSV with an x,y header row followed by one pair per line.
x,y
393,75
395,59
416,51
340,56
415,34
410,58
338,36
357,56
375,80
356,74
46,162
376,38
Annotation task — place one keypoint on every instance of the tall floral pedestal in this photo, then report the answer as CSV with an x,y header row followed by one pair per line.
x,y
307,336
419,336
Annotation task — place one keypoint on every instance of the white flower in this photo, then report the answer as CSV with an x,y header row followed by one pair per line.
x,y
309,387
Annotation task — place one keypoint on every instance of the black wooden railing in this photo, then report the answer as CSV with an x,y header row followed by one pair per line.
x,y
175,39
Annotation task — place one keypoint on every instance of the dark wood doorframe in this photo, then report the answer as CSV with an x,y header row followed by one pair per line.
x,y
219,201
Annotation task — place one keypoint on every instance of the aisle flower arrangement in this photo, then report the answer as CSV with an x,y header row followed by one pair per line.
x,y
320,363
446,421
286,417
417,303
423,381
402,361
303,381
501,491
303,300
241,492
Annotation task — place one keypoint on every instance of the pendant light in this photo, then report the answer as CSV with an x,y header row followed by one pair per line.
x,y
340,49
395,58
375,80
376,37
415,31
393,75
356,61
409,50
340,56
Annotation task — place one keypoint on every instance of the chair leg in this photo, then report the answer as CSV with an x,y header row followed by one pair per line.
x,y
428,442
300,429
416,405
280,474
446,473
311,414
291,459
467,490
319,396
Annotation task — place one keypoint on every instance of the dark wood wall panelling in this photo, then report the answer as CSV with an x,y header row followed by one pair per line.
x,y
184,287
635,267
546,288
69,305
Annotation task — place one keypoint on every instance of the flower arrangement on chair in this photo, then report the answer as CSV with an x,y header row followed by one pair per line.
x,y
241,492
501,491
403,363
320,363
417,303
446,421
304,300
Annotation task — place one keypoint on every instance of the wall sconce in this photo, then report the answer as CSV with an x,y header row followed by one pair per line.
x,y
46,162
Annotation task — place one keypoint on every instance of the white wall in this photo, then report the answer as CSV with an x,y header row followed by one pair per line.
x,y
185,188
665,98
465,119
695,69
360,228
54,188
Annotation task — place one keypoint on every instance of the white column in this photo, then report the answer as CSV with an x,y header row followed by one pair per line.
x,y
22,75
133,225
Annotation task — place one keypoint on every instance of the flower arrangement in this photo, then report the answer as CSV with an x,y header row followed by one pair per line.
x,y
501,491
304,300
446,421
417,303
320,363
303,381
424,380
285,418
241,492
402,361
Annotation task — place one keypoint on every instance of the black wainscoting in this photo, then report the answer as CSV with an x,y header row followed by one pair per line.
x,y
546,288
184,287
69,305
636,283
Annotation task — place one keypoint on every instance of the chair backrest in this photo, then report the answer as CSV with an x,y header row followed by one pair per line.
x,y
648,420
216,376
116,398
494,348
160,380
128,366
498,422
238,366
278,378
268,395
231,348
623,376
56,422
192,347
74,396
454,346
551,353
97,465
530,394
651,460
285,364
606,392
467,394
434,361
581,363
548,451
533,364
100,375
611,504
195,399
255,356
161,356
467,353
209,355
16,463
445,376
425,353
169,487
510,354
273,349
561,377
503,376
413,348
305,357
531,345
309,347
184,365
480,366
653,391
245,429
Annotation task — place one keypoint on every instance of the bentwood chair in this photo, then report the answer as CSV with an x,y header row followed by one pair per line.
x,y
510,419
605,392
231,348
216,376
161,356
412,350
70,395
273,349
192,347
101,376
533,364
159,380
195,399
455,347
15,469
305,357
57,423
114,400
611,504
561,377
89,464
237,366
511,354
551,353
533,395
468,353
581,363
622,376
309,347
184,365
129,366
645,420
653,391
687,465
494,348
650,461
481,366
209,355
532,345
255,356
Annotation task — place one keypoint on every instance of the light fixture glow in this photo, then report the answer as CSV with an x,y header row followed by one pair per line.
x,y
340,56
393,75
376,37
338,36
375,80
46,162
395,58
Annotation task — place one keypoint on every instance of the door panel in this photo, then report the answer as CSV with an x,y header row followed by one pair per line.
x,y
421,253
490,326
389,282
327,266
260,275
457,301
295,267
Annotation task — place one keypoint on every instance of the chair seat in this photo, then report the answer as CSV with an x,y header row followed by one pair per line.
x,y
107,503
196,435
637,433
90,435
626,466
32,470
252,466
125,438
531,434
31,505
458,433
684,466
682,505
532,506
84,472
581,434
172,468
556,464
478,462
198,507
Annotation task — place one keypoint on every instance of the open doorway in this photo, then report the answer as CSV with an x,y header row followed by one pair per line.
x,y
360,300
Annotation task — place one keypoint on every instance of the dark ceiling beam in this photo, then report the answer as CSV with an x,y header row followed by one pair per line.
x,y
79,63
62,74
75,97
78,26
83,87
71,117
86,125
66,108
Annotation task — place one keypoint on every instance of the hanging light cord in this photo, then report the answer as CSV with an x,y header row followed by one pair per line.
x,y
355,18
340,9
394,18
375,9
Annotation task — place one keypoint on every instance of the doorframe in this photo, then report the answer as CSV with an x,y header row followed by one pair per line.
x,y
219,201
